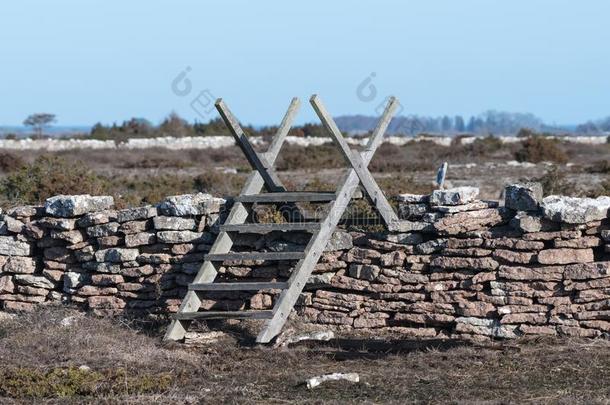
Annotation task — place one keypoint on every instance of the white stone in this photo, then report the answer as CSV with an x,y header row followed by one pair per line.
x,y
11,247
574,210
413,198
67,206
523,197
190,204
454,196
116,255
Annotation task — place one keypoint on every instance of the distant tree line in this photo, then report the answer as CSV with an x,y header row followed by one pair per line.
x,y
490,122
594,127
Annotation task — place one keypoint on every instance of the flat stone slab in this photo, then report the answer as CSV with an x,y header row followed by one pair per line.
x,y
66,206
413,198
574,210
454,196
473,206
190,204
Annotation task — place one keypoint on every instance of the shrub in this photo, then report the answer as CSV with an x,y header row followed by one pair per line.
x,y
48,176
538,149
485,146
554,182
10,162
600,166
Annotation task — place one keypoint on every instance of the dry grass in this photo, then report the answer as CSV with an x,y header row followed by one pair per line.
x,y
136,177
39,361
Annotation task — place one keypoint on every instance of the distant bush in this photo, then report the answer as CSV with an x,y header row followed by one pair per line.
x,y
48,176
538,149
600,166
481,146
10,162
554,182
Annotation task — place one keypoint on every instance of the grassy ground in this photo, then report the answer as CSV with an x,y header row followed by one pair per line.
x,y
108,361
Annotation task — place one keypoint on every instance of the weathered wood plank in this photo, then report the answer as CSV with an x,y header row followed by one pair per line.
x,y
266,228
190,316
318,242
219,257
286,197
371,187
241,286
239,213
258,162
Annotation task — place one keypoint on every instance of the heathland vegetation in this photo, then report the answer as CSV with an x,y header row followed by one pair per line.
x,y
135,177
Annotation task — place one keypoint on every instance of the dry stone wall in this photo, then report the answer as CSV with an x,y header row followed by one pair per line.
x,y
459,267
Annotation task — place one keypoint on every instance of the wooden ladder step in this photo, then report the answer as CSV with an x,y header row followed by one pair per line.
x,y
220,257
187,316
253,286
287,197
265,228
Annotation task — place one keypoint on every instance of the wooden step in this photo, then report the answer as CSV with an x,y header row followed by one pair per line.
x,y
265,228
187,316
220,257
301,196
253,286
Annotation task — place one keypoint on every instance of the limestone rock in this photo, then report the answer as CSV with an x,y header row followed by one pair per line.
x,y
574,210
116,255
34,281
470,221
190,204
182,237
473,206
106,302
581,243
554,273
454,263
393,259
74,280
135,214
17,264
340,240
411,226
514,257
404,238
565,256
413,198
523,197
11,247
6,284
100,231
72,237
588,270
96,218
67,206
431,246
60,224
25,211
411,211
140,239
454,196
13,225
364,271
174,223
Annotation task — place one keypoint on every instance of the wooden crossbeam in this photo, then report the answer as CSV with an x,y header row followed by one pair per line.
x,y
264,176
258,162
317,244
356,161
238,215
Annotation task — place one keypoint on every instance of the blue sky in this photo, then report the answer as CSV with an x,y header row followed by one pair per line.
x,y
110,60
